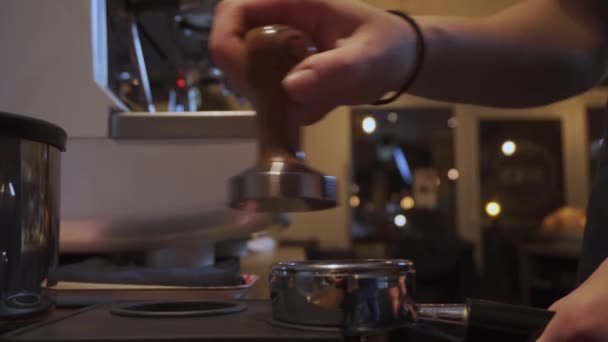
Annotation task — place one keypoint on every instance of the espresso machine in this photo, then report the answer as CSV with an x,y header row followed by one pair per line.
x,y
280,181
158,140
155,133
182,75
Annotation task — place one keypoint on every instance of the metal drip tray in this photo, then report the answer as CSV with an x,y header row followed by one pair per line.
x,y
177,309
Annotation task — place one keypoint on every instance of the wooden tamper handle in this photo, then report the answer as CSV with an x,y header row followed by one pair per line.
x,y
272,52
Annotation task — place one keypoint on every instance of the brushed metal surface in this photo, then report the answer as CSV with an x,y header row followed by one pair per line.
x,y
166,125
282,186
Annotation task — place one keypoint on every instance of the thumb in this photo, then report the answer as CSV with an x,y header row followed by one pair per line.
x,y
328,77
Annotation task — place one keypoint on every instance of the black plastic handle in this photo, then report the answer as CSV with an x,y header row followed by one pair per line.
x,y
491,321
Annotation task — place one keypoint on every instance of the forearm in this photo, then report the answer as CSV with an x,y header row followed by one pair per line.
x,y
534,53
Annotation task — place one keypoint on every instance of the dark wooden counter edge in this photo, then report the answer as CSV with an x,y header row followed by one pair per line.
x,y
58,314
61,314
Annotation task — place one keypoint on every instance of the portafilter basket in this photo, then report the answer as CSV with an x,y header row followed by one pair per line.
x,y
363,297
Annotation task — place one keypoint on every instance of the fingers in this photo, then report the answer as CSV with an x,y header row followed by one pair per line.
x,y
556,306
573,326
226,43
301,15
234,17
321,19
330,78
339,75
562,328
577,319
552,331
580,316
549,335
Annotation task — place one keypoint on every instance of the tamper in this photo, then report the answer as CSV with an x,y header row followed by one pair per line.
x,y
280,181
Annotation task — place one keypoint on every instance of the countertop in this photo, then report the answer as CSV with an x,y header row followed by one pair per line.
x,y
96,323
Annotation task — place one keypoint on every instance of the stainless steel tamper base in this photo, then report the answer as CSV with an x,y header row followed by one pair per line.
x,y
282,186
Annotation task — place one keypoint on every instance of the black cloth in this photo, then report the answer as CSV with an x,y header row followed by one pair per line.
x,y
102,271
595,240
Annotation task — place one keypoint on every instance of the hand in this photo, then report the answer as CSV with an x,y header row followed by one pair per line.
x,y
364,52
582,316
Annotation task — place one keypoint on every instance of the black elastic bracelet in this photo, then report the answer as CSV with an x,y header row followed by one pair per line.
x,y
420,54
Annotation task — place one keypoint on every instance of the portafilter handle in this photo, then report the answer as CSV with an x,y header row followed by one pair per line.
x,y
492,321
272,51
482,320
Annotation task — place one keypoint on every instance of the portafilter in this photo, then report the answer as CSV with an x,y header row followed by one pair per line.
x,y
367,297
280,181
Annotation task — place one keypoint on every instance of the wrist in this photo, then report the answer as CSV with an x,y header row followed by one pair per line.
x,y
404,61
409,54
